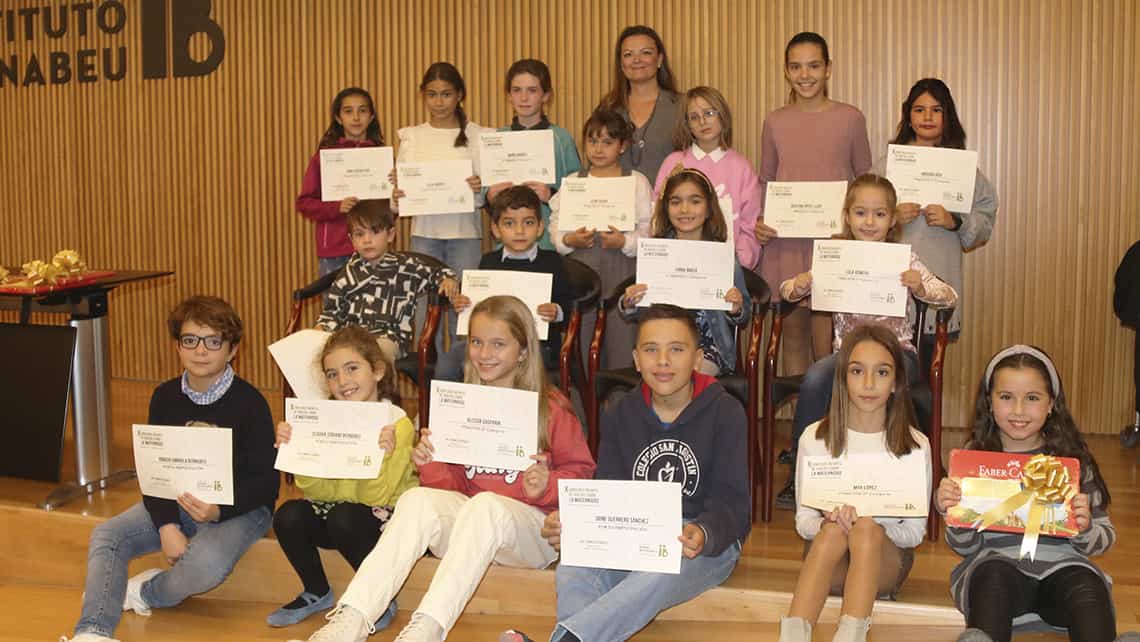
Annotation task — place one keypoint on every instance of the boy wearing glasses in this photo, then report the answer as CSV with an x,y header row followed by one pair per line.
x,y
201,542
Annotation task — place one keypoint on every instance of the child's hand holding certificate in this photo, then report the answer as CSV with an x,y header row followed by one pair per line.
x,y
876,484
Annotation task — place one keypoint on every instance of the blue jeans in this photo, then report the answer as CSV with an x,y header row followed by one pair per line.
x,y
212,552
459,255
815,391
602,605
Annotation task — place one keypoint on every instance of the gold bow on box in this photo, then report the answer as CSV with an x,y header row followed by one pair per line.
x,y
37,273
1045,481
69,263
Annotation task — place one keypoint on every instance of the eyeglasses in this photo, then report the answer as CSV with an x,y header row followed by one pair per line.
x,y
191,341
707,114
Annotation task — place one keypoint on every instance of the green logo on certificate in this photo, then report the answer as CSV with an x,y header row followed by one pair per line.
x,y
662,551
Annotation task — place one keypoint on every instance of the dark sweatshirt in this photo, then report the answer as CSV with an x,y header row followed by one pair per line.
x,y
561,292
705,450
245,412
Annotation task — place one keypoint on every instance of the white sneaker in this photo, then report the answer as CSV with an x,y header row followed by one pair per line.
x,y
851,629
133,600
421,628
346,624
795,629
87,637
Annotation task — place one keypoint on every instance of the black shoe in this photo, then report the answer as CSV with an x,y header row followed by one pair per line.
x,y
786,457
786,498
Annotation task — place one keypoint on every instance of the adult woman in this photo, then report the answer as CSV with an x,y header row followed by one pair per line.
x,y
644,92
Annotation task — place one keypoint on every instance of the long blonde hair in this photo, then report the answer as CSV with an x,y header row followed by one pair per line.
x,y
530,373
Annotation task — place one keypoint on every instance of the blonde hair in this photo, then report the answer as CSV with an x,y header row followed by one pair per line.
x,y
530,373
683,134
357,339
879,182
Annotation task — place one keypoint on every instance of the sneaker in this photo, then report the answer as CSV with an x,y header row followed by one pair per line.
x,y
422,628
133,600
301,608
346,624
386,618
87,637
852,629
786,498
512,635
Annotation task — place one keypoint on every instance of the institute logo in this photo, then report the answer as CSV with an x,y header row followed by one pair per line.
x,y
669,460
167,27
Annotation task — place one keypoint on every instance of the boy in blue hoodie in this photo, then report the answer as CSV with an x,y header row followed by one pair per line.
x,y
679,426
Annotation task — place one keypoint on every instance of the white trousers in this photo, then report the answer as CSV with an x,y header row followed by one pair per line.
x,y
467,533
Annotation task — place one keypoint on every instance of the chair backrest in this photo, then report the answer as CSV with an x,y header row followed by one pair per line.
x,y
585,282
433,297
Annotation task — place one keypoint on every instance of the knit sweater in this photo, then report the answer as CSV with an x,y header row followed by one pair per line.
x,y
732,176
245,412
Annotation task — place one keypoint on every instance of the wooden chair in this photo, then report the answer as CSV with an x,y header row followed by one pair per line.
x,y
926,395
587,288
743,383
417,366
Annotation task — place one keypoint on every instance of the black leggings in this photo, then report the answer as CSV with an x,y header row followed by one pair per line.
x,y
350,528
1073,597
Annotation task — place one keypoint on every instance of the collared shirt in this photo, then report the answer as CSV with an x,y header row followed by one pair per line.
x,y
715,154
529,255
516,126
214,392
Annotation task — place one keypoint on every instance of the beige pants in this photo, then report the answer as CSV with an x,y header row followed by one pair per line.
x,y
468,533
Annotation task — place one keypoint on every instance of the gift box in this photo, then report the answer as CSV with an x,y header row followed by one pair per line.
x,y
1015,493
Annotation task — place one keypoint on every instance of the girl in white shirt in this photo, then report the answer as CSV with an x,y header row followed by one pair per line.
x,y
855,556
455,239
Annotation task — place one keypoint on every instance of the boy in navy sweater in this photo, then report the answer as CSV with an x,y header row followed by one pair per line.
x,y
201,542
516,222
679,426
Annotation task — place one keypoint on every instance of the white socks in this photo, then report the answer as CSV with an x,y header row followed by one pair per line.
x,y
794,629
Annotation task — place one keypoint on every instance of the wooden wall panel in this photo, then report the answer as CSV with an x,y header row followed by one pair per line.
x,y
199,174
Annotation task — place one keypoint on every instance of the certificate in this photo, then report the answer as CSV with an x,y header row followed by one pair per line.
x,y
435,187
876,484
938,175
623,525
171,460
805,209
690,274
860,277
517,157
597,203
534,288
361,172
334,439
297,357
483,426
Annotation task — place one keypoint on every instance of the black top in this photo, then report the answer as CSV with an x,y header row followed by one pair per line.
x,y
244,411
548,262
704,449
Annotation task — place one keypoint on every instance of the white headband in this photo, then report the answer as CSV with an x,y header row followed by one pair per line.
x,y
1024,349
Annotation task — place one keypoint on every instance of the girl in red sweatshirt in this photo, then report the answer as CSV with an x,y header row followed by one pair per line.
x,y
353,124
470,516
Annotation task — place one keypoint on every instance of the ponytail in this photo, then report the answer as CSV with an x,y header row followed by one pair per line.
x,y
461,139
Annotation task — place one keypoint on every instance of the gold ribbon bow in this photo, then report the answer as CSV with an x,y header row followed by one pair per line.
x,y
1045,482
37,272
69,263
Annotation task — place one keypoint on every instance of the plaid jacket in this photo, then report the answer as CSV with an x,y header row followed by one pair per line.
x,y
381,296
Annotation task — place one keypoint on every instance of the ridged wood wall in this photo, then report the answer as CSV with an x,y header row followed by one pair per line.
x,y
199,174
